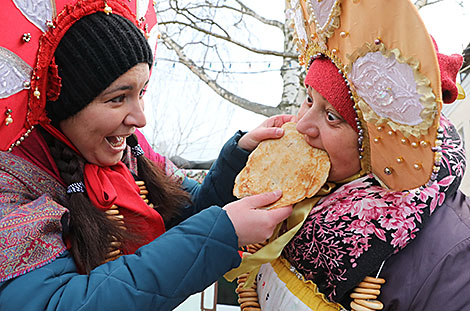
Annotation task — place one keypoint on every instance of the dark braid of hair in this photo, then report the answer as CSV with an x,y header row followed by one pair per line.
x,y
164,193
90,231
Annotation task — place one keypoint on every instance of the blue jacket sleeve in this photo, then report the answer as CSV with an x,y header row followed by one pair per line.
x,y
217,187
159,276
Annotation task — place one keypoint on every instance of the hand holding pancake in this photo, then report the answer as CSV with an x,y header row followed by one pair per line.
x,y
256,229
269,129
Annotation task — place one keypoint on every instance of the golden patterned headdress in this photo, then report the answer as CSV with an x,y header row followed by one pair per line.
x,y
389,62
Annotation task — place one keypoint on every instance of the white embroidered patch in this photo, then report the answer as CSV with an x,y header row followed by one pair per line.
x,y
322,11
388,87
37,12
273,293
142,7
299,25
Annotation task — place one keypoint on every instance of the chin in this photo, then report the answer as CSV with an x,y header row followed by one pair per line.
x,y
110,160
345,177
115,161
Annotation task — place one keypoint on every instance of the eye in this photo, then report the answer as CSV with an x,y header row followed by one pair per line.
x,y
332,117
117,99
142,92
309,100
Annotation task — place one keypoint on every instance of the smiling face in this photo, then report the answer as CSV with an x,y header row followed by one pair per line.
x,y
324,128
99,130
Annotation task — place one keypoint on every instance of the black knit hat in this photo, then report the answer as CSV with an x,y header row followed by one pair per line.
x,y
93,53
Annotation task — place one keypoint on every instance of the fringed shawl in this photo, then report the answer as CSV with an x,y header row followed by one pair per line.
x,y
30,217
32,200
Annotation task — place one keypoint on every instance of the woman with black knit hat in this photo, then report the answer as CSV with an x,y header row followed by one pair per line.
x,y
90,216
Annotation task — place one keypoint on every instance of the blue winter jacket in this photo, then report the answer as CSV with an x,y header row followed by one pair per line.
x,y
159,276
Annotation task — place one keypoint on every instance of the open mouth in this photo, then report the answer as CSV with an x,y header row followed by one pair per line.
x,y
116,141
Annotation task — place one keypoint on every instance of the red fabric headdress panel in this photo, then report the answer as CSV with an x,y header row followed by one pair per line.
x,y
18,49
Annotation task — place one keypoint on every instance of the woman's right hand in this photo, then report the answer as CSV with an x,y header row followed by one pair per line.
x,y
269,129
252,223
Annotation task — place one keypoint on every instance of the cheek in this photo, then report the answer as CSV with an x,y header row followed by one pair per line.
x,y
86,134
344,152
349,148
104,124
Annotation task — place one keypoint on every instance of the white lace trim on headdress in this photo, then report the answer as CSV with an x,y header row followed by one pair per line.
x,y
15,74
299,25
326,16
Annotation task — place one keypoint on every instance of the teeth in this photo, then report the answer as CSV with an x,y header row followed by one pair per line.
x,y
117,141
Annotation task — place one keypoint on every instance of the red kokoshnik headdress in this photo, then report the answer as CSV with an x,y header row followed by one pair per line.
x,y
28,73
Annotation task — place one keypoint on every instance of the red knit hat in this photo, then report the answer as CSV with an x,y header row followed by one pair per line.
x,y
449,66
324,77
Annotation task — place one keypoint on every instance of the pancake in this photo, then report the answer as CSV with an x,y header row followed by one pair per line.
x,y
289,164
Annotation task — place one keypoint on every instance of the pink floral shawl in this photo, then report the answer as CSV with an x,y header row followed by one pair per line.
x,y
354,229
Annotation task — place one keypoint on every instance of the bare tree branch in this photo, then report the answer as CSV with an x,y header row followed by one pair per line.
x,y
246,10
422,3
199,71
193,19
231,40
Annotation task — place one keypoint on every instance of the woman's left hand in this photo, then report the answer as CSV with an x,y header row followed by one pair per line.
x,y
269,129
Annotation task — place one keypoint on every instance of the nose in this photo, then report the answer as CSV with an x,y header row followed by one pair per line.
x,y
307,124
136,116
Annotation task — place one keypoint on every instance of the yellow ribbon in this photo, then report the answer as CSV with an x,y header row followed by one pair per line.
x,y
461,94
276,244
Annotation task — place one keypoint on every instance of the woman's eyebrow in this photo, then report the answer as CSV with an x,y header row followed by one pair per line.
x,y
118,88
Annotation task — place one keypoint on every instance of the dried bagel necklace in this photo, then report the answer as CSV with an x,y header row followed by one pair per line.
x,y
364,295
248,297
115,249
